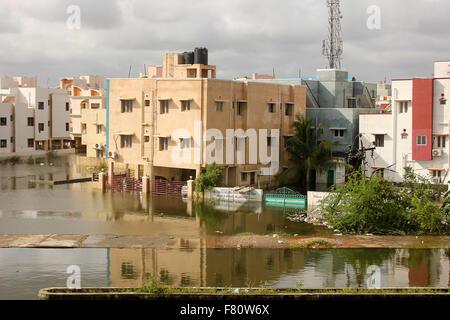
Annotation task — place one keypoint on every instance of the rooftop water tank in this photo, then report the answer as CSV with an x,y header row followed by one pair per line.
x,y
188,57
201,56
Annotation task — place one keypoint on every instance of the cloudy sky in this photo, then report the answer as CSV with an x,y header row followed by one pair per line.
x,y
243,36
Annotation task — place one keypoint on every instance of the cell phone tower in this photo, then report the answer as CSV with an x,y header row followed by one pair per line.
x,y
333,47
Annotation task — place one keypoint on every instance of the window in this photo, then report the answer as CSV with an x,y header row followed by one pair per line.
x,y
147,102
99,129
3,121
146,138
443,102
440,141
164,106
30,143
83,128
95,105
437,174
40,127
3,143
240,143
67,106
269,141
185,105
67,126
272,107
126,141
339,133
219,106
11,140
289,107
379,140
127,106
403,107
185,143
421,140
241,107
163,143
219,144
244,176
99,153
11,118
41,105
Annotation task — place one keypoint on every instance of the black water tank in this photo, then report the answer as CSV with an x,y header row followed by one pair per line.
x,y
188,57
201,56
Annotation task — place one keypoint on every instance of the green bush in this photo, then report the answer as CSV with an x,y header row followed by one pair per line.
x,y
377,205
212,177
363,206
427,216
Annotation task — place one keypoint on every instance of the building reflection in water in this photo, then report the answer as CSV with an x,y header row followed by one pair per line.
x,y
278,268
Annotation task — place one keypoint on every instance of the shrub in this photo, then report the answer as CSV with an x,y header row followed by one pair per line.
x,y
363,206
377,205
209,179
427,216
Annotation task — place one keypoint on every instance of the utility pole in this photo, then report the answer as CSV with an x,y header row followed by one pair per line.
x,y
333,47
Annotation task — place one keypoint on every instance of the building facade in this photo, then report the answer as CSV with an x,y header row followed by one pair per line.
x,y
415,133
171,128
33,119
87,114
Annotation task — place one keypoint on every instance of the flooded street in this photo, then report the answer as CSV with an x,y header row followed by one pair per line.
x,y
30,208
25,271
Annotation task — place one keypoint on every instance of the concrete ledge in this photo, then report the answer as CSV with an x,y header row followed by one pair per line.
x,y
246,294
218,242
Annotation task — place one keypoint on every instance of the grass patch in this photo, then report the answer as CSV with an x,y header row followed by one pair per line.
x,y
154,288
317,244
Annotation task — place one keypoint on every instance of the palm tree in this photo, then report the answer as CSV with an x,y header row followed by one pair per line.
x,y
307,152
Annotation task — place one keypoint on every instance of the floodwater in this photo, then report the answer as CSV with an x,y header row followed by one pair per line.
x,y
30,208
25,271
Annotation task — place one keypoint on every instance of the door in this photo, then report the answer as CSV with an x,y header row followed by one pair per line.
x,y
312,180
330,178
252,178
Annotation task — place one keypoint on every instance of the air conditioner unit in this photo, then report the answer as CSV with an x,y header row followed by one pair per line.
x,y
98,146
112,154
437,153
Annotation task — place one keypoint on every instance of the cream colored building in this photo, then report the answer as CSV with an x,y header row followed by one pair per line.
x,y
87,114
158,125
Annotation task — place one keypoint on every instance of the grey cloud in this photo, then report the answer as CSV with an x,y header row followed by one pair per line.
x,y
243,36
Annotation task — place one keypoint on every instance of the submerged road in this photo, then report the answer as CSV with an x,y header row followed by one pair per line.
x,y
250,241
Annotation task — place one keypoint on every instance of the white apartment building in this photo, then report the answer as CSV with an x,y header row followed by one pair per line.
x,y
33,119
87,102
415,134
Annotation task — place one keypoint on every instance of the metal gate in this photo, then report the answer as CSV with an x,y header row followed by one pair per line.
x,y
285,197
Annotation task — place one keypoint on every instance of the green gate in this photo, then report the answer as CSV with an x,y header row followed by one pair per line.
x,y
285,197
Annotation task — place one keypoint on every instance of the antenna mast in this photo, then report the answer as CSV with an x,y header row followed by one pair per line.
x,y
333,47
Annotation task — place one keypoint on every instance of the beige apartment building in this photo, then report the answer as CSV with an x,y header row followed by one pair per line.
x,y
171,127
87,114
